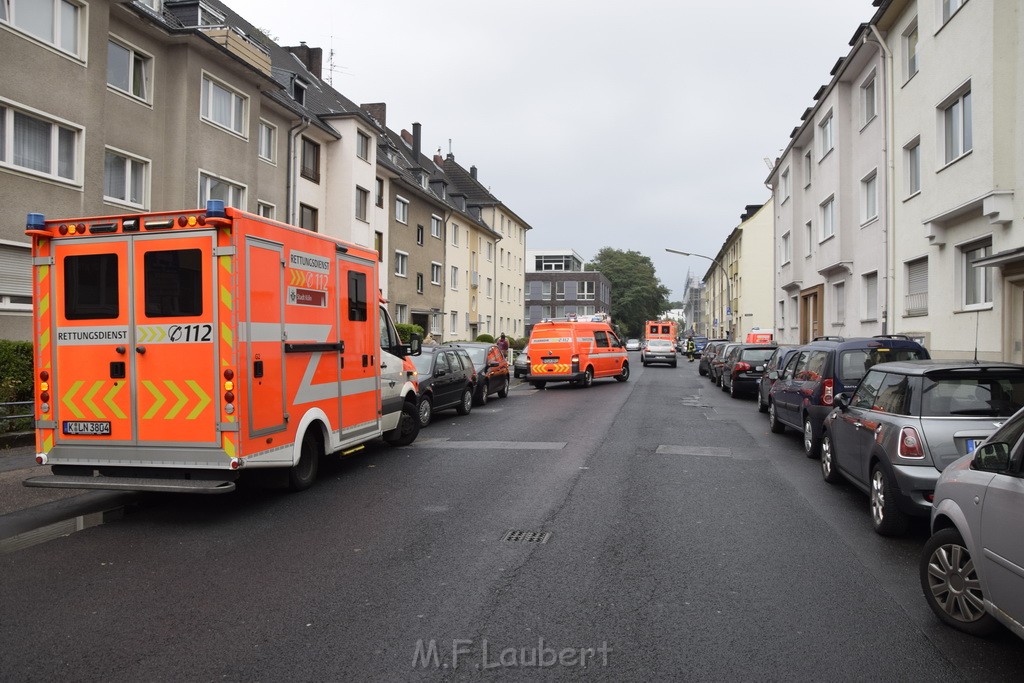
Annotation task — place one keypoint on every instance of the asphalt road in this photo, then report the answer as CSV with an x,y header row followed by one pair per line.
x,y
686,543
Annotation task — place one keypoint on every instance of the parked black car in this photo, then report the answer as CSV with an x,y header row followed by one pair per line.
x,y
491,369
446,378
708,354
744,367
804,391
776,362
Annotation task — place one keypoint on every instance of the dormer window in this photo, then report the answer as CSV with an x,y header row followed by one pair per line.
x,y
299,91
423,180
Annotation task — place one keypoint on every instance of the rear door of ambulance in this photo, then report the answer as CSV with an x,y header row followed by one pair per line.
x,y
133,334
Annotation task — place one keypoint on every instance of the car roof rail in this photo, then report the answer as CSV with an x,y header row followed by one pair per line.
x,y
829,338
892,336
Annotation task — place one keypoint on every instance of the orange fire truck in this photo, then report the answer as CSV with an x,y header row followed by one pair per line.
x,y
175,350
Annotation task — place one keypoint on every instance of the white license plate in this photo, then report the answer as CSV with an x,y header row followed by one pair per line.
x,y
759,368
84,428
550,360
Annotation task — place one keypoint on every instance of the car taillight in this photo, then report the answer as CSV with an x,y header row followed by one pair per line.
x,y
740,367
576,358
826,393
910,444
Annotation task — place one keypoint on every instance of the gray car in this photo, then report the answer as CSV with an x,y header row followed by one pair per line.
x,y
972,567
659,351
906,422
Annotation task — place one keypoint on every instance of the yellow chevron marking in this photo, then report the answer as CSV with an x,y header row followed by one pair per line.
x,y
87,399
44,339
553,368
44,305
109,397
48,443
204,399
225,298
225,263
67,402
226,335
229,446
42,273
182,400
160,399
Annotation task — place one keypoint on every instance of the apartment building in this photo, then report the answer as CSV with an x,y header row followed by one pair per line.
x,y
557,287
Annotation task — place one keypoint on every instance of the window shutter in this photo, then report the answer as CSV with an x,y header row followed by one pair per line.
x,y
917,277
15,271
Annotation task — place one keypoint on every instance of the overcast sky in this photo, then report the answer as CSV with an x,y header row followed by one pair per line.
x,y
628,124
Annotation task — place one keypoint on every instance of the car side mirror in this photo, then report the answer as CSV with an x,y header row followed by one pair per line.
x,y
773,375
493,364
440,373
843,401
415,345
992,457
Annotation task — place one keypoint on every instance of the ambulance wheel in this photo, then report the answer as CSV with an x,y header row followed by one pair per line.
x,y
587,379
624,375
539,385
503,392
408,426
303,474
425,411
466,404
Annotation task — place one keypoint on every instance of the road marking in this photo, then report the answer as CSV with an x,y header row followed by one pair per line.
x,y
492,445
695,450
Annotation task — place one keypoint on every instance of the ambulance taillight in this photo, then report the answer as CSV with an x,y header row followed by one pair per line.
x,y
44,392
229,391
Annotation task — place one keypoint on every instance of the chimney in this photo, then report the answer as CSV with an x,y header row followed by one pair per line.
x,y
438,160
407,137
311,57
378,110
472,172
416,140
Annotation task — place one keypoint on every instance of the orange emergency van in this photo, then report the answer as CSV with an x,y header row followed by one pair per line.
x,y
661,329
570,350
175,350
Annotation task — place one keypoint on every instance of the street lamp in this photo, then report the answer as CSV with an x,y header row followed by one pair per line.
x,y
725,274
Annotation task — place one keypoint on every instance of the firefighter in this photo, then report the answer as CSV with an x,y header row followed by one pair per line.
x,y
691,348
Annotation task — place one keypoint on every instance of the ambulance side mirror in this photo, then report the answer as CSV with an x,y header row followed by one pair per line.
x,y
415,345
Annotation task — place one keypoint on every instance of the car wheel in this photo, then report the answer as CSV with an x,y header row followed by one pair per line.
x,y
503,392
624,375
466,404
481,398
674,364
538,385
829,471
812,445
701,371
732,390
408,427
425,411
950,583
762,407
887,519
588,378
303,474
721,385
773,420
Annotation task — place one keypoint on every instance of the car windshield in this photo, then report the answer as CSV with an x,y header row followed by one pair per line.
x,y
659,344
855,362
477,354
983,394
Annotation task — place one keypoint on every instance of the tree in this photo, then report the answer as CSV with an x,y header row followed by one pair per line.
x,y
637,294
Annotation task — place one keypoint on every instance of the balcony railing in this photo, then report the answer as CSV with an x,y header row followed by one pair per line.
x,y
916,304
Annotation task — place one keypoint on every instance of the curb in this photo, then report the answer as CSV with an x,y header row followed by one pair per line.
x,y
31,519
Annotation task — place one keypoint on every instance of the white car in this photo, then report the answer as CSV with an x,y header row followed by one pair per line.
x,y
972,568
632,344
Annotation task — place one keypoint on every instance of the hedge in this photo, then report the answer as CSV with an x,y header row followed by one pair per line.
x,y
15,383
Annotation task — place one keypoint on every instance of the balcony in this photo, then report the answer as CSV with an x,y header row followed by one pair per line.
x,y
239,44
916,304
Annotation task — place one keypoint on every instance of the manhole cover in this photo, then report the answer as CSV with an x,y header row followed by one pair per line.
x,y
519,536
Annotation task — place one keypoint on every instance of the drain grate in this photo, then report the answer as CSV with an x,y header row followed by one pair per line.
x,y
520,536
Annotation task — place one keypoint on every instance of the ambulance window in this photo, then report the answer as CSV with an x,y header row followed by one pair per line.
x,y
601,338
356,296
386,342
174,283
90,287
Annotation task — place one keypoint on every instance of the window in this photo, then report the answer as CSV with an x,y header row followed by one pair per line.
x,y
299,91
912,160
378,244
173,283
419,283
401,264
310,164
785,250
266,210
869,197
794,306
56,22
15,277
917,287
910,63
950,7
435,273
490,286
807,168
825,135
867,391
869,105
455,235
454,278
125,178
401,210
956,121
379,198
358,301
268,141
363,146
782,314
402,316
839,302
435,323
490,251
560,290
215,187
454,323
977,281
128,70
222,106
419,235
586,290
91,287
784,186
808,237
828,214
871,296
545,290
362,202
435,226
308,217
35,144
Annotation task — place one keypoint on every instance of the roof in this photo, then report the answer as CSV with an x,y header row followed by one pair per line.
x,y
923,367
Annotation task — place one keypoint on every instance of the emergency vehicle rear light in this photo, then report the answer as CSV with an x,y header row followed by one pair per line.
x,y
576,358
235,463
130,225
44,376
229,397
35,221
229,374
103,227
215,208
63,229
41,459
45,397
160,225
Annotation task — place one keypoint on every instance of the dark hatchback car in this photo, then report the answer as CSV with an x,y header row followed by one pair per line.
x,y
699,342
906,422
805,389
775,363
446,378
708,354
718,362
491,369
744,367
